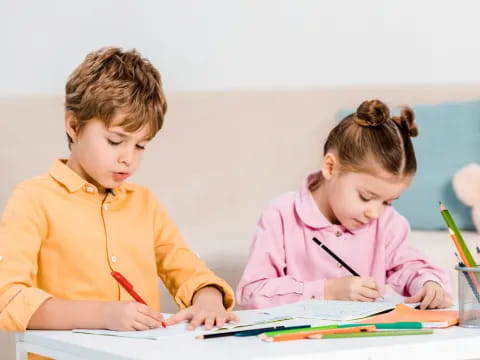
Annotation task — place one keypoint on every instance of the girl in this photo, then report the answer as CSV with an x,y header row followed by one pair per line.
x,y
368,162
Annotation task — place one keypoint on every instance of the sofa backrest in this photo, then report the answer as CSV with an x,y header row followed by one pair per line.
x,y
219,159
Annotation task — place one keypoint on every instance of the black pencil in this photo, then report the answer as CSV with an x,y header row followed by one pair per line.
x,y
235,332
251,332
333,255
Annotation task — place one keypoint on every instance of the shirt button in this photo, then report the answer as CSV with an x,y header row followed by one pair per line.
x,y
338,233
105,206
114,258
90,189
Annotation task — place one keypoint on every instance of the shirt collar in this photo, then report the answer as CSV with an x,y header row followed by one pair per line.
x,y
61,172
309,212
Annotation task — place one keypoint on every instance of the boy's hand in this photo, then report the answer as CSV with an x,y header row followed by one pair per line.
x,y
130,316
354,288
431,296
207,309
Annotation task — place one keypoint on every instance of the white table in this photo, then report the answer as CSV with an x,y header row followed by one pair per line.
x,y
452,343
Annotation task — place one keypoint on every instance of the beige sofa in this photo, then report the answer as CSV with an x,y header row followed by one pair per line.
x,y
219,159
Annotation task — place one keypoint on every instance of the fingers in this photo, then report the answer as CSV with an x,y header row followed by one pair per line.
x,y
438,297
219,321
415,298
360,297
427,299
196,321
441,300
144,309
182,315
231,317
139,326
370,282
146,322
368,293
208,322
227,317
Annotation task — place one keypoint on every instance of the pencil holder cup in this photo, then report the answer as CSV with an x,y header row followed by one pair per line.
x,y
469,296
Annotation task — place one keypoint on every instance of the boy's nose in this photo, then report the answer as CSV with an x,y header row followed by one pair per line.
x,y
126,157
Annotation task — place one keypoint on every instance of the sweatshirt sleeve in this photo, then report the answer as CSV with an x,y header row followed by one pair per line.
x,y
264,282
22,228
182,272
407,268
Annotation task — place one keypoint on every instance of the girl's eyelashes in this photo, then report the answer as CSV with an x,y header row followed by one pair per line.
x,y
111,142
141,147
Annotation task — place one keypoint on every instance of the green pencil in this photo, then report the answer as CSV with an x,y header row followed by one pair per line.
x,y
372,334
293,331
392,325
451,224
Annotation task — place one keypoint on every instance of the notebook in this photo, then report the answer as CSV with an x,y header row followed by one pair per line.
x,y
248,318
334,310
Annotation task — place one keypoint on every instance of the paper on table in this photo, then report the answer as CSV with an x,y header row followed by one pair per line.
x,y
247,318
330,309
154,334
405,313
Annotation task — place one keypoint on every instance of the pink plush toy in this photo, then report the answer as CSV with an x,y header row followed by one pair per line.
x,y
466,184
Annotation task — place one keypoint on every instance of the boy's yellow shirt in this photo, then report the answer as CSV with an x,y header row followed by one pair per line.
x,y
58,238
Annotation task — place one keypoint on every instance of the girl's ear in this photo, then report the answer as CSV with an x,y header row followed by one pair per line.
x,y
71,125
329,165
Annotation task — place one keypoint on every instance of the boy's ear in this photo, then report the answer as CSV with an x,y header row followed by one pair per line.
x,y
71,125
329,165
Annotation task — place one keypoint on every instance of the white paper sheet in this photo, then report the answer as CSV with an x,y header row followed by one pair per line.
x,y
331,309
248,318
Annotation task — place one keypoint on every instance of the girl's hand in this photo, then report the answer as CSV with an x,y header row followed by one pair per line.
x,y
431,296
207,309
130,316
354,288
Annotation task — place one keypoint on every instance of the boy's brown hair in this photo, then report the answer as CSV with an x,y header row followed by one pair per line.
x,y
371,137
111,80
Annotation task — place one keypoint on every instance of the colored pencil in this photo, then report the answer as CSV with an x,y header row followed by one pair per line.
x,y
463,258
307,334
372,334
254,332
250,332
333,255
403,325
336,258
292,331
457,238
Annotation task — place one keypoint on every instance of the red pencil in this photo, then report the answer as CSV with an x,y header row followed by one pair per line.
x,y
129,288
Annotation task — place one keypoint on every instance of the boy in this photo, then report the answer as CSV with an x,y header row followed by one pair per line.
x,y
63,233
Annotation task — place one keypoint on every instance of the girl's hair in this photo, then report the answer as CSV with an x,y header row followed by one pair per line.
x,y
370,136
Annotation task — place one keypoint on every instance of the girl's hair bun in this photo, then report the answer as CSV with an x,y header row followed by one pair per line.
x,y
372,113
406,121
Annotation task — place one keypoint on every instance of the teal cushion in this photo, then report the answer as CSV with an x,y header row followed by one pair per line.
x,y
449,139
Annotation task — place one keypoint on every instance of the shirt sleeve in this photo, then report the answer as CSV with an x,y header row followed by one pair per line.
x,y
22,228
407,268
182,272
264,282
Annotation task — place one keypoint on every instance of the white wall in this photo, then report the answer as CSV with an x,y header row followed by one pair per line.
x,y
254,44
